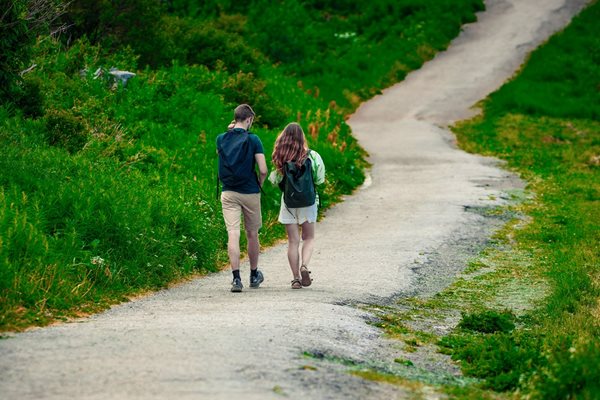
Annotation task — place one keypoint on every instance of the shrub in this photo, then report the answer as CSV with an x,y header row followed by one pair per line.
x,y
31,100
284,31
65,130
137,24
502,359
21,22
205,43
243,87
488,321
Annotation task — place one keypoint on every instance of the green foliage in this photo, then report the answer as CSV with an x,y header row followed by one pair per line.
x,y
30,99
110,190
21,23
488,321
206,8
66,131
134,23
347,51
571,369
545,124
206,43
15,42
131,203
403,361
502,359
488,350
283,32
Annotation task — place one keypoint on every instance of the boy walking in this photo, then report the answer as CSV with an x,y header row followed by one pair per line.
x,y
240,151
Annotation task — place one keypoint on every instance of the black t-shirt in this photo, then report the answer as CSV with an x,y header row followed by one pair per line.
x,y
250,183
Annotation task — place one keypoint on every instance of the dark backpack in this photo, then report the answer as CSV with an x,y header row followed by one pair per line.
x,y
233,151
297,185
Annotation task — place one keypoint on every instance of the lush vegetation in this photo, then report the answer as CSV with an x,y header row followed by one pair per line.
x,y
545,124
109,189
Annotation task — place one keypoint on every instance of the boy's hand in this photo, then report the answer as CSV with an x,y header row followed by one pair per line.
x,y
231,125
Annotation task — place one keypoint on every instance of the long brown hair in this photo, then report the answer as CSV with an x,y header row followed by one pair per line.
x,y
290,146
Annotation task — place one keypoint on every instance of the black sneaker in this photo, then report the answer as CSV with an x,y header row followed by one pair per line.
x,y
256,280
236,285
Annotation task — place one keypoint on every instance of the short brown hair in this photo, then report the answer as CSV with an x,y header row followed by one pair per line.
x,y
243,112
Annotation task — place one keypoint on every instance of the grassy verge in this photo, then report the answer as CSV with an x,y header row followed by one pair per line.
x,y
108,191
526,312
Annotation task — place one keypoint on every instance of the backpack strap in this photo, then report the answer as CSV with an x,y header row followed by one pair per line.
x,y
217,185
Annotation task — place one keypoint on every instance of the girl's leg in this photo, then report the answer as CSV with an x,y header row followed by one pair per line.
x,y
308,236
293,251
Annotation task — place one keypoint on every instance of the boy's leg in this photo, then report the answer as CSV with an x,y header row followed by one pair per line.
x,y
253,247
252,221
232,211
233,249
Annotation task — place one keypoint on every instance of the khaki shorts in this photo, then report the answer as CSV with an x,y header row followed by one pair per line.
x,y
235,204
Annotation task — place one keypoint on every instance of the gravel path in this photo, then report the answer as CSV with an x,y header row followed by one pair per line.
x,y
199,341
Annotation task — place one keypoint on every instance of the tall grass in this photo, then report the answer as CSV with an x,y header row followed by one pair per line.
x,y
545,124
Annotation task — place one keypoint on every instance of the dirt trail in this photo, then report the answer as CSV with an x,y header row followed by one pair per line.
x,y
199,341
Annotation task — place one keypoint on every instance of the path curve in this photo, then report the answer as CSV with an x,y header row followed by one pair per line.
x,y
198,341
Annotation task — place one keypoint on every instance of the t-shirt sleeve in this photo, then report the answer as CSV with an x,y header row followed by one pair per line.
x,y
258,147
318,167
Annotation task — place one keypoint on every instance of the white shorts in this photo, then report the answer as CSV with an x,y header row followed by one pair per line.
x,y
288,215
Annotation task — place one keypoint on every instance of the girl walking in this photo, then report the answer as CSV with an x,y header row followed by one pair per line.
x,y
291,152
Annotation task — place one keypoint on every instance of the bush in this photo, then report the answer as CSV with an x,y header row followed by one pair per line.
x,y
488,321
284,31
30,100
241,88
205,43
502,359
65,130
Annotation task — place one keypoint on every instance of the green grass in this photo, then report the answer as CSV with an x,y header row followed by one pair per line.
x,y
107,192
545,124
